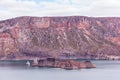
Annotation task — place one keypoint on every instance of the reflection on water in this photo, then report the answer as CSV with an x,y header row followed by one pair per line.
x,y
18,70
14,64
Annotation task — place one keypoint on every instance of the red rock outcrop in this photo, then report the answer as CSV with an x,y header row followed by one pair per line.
x,y
63,37
63,63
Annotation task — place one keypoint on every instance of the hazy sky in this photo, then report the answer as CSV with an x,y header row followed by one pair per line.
x,y
14,8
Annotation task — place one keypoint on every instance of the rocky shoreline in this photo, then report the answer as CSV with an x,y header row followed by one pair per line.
x,y
62,63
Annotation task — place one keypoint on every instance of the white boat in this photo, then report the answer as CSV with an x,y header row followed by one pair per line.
x,y
28,63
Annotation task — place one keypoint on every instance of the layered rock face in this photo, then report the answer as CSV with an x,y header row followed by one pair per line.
x,y
60,37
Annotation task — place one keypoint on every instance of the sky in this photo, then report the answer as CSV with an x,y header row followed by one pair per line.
x,y
43,8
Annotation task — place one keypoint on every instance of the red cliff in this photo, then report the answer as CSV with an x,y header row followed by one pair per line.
x,y
63,37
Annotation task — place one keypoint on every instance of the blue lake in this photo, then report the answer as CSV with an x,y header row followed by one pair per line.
x,y
106,70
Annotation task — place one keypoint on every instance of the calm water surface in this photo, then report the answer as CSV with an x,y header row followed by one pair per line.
x,y
18,70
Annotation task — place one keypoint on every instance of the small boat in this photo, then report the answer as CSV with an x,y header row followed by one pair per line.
x,y
28,63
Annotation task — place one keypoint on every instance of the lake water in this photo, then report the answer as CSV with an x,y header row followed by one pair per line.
x,y
106,70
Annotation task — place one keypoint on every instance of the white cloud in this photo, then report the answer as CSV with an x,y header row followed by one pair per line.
x,y
14,8
105,8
